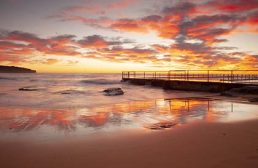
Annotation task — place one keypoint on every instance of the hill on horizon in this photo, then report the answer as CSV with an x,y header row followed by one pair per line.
x,y
14,69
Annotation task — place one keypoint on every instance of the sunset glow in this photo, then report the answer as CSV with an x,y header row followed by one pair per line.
x,y
103,36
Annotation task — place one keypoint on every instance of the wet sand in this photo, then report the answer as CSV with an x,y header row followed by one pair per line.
x,y
199,144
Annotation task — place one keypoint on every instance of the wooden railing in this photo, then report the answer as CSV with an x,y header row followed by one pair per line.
x,y
222,76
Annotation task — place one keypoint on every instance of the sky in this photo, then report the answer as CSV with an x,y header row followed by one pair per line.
x,y
96,36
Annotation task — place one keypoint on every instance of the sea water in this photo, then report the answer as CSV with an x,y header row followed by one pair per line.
x,y
74,104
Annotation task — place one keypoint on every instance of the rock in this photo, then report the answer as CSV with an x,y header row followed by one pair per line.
x,y
65,92
71,92
241,91
113,91
161,125
29,88
253,99
227,93
246,90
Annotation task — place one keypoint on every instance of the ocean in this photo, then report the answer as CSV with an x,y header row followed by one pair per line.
x,y
61,105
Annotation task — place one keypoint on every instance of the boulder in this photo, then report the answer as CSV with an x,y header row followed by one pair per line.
x,y
113,91
241,91
253,99
161,125
30,88
228,93
71,92
246,90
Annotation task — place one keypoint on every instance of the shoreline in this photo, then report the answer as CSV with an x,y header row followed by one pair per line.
x,y
199,144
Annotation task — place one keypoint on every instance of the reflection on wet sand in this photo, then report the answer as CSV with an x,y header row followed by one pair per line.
x,y
130,114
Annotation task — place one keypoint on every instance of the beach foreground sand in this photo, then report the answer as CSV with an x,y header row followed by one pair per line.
x,y
195,145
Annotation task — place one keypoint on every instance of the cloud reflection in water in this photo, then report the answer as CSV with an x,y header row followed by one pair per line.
x,y
134,114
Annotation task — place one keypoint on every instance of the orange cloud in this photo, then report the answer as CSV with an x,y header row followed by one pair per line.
x,y
51,61
128,25
122,4
196,33
94,41
234,6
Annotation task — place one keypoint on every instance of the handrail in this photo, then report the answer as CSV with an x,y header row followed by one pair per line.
x,y
222,76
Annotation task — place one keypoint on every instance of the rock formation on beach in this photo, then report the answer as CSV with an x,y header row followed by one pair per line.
x,y
248,92
161,125
13,69
113,91
241,90
31,88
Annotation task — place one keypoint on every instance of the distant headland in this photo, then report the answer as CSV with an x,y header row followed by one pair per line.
x,y
13,69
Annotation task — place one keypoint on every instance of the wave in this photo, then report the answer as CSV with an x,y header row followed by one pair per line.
x,y
7,78
71,91
101,81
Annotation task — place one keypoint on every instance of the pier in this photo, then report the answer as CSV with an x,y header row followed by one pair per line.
x,y
194,80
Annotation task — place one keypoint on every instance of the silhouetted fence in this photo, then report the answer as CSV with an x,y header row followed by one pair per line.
x,y
221,76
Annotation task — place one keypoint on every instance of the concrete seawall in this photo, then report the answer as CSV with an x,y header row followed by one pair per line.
x,y
186,85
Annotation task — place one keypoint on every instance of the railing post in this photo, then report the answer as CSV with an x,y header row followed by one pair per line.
x,y
208,77
128,74
232,77
187,75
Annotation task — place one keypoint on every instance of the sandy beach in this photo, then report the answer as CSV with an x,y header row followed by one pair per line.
x,y
199,144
